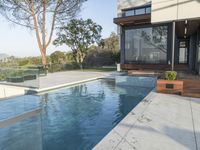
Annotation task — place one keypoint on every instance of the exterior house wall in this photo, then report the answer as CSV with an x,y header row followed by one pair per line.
x,y
188,9
165,11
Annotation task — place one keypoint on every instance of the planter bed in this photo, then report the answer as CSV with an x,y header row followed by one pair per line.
x,y
170,86
20,79
30,77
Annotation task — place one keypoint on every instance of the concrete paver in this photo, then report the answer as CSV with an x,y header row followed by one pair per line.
x,y
51,81
59,78
161,121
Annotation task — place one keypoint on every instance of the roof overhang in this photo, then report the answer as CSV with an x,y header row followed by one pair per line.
x,y
133,20
186,29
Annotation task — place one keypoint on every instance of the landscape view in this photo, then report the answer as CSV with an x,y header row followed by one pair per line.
x,y
100,75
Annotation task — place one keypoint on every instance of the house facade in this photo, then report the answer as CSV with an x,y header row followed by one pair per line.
x,y
159,34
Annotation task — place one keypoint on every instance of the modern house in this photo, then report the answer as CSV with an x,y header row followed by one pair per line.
x,y
159,34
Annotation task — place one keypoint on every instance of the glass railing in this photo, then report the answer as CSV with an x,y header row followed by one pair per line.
x,y
20,77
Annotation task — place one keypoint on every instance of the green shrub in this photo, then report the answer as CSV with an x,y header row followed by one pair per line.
x,y
2,77
71,66
170,75
55,68
23,62
62,67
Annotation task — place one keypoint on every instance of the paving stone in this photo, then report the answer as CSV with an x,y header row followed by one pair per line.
x,y
195,103
164,122
110,141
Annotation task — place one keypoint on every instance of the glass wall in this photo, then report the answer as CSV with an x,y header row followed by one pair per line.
x,y
20,77
146,45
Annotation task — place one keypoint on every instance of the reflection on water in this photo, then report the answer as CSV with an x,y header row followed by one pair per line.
x,y
71,118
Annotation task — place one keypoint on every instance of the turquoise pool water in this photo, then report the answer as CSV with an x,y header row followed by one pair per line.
x,y
74,118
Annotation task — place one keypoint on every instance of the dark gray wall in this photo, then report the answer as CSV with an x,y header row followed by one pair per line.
x,y
122,46
176,51
192,52
197,64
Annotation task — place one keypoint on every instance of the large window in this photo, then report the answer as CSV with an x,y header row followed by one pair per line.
x,y
137,11
146,45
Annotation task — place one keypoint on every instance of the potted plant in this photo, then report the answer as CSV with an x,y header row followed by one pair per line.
x,y
170,84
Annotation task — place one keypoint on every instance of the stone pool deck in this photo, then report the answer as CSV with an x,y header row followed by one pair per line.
x,y
60,79
159,122
52,81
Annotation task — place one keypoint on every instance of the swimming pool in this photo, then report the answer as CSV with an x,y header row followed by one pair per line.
x,y
73,118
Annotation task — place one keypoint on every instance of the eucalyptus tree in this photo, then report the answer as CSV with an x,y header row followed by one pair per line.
x,y
42,16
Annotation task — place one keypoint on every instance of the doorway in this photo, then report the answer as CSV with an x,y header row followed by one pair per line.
x,y
183,51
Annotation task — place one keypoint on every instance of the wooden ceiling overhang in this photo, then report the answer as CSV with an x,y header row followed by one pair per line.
x,y
133,20
191,27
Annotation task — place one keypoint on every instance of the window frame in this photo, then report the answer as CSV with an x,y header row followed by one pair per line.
x,y
134,11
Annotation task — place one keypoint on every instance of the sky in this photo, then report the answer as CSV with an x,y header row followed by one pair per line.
x,y
19,41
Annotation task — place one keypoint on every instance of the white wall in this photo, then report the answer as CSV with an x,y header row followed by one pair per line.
x,y
168,10
189,9
10,91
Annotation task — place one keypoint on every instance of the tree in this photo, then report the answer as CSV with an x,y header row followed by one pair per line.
x,y
58,57
40,15
111,43
69,57
79,34
23,62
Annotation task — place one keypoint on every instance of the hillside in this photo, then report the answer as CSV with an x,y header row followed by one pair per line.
x,y
3,56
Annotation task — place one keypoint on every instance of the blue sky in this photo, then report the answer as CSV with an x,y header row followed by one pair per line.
x,y
18,41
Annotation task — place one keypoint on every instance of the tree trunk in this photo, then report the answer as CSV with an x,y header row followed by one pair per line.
x,y
44,59
82,56
81,66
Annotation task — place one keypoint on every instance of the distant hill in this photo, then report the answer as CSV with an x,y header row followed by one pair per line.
x,y
3,56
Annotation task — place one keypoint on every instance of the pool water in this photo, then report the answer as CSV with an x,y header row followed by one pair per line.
x,y
73,118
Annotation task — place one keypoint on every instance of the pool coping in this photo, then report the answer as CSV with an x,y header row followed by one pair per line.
x,y
115,136
36,91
